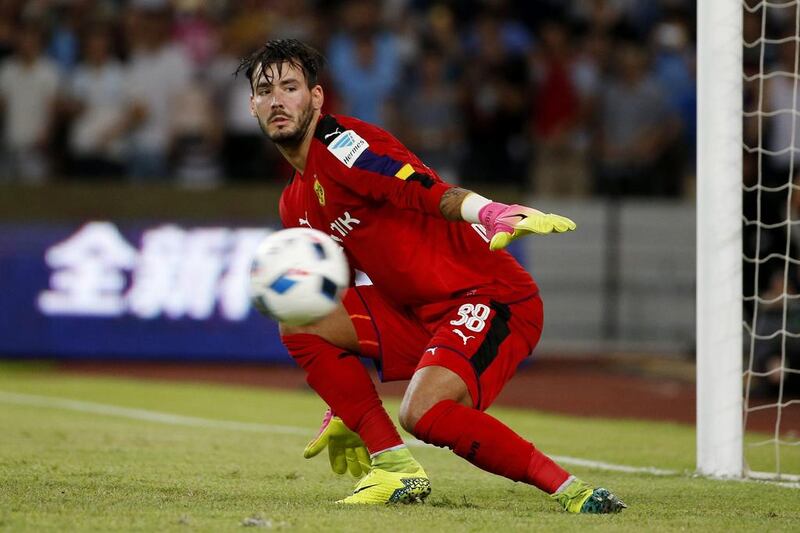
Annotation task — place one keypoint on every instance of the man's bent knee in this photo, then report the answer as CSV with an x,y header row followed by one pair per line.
x,y
335,328
411,412
428,387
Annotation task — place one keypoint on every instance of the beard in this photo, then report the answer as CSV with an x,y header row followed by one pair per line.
x,y
289,137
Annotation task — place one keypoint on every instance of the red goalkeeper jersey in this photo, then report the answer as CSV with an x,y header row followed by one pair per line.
x,y
381,203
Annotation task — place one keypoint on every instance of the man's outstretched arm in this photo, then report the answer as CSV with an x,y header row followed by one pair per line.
x,y
450,203
503,223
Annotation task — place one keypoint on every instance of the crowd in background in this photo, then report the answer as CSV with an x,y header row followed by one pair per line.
x,y
569,98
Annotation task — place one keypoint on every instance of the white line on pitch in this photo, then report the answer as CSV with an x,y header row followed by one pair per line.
x,y
193,421
576,461
142,414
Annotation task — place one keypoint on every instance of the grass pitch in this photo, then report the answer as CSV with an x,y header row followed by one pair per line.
x,y
102,454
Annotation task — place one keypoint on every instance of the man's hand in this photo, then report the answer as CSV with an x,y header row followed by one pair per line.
x,y
504,223
346,450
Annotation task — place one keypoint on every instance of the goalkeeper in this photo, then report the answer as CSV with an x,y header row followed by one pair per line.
x,y
449,308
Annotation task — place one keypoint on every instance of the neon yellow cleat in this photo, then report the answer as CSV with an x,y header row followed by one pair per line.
x,y
382,487
580,497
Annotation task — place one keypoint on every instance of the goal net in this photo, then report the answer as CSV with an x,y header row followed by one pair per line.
x,y
771,213
748,294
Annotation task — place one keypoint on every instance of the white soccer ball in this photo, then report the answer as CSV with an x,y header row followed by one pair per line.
x,y
298,276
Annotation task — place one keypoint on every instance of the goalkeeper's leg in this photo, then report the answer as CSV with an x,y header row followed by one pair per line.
x,y
444,404
434,410
491,445
344,384
326,351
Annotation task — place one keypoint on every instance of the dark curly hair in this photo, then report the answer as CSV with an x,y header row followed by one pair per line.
x,y
280,51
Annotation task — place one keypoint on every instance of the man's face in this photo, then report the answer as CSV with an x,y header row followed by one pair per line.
x,y
283,103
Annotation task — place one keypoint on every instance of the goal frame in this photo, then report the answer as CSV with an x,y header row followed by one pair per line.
x,y
719,239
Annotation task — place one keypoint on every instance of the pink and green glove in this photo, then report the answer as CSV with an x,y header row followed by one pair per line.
x,y
504,223
346,450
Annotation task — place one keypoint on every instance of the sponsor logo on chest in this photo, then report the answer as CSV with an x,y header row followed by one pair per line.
x,y
343,225
339,228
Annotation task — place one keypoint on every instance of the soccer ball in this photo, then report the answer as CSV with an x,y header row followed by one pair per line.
x,y
298,276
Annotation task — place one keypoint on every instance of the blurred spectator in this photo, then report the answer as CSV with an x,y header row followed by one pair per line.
x,y
439,27
157,73
638,17
495,35
777,317
64,46
673,67
781,126
95,101
249,25
245,152
635,129
8,21
767,174
600,15
195,31
428,120
196,138
768,204
364,62
560,163
28,85
292,19
497,108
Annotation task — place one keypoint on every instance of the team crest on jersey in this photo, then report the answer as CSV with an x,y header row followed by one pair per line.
x,y
320,192
347,146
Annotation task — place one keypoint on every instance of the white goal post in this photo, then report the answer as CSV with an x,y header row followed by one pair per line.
x,y
719,238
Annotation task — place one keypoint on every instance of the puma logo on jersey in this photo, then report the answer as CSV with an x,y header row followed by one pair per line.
x,y
431,350
465,338
337,132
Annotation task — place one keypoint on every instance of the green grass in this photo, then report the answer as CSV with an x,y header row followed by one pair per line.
x,y
63,470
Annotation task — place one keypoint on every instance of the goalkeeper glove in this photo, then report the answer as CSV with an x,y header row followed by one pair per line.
x,y
504,223
346,450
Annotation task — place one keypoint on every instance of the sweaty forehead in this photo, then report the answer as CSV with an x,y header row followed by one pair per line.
x,y
274,73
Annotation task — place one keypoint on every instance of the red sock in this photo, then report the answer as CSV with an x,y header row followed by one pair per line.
x,y
488,444
342,381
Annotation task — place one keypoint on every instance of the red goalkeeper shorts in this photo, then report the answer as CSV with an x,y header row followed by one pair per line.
x,y
479,339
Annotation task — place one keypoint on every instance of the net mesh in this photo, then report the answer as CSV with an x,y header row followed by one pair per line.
x,y
771,238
